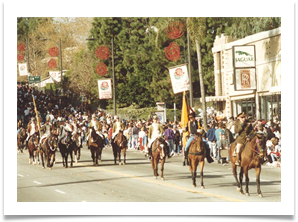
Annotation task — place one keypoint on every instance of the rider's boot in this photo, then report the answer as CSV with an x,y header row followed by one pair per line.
x,y
149,153
185,158
26,144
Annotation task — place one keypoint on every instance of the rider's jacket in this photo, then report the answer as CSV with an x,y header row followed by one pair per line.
x,y
243,130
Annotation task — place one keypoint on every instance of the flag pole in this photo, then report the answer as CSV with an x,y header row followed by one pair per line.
x,y
36,113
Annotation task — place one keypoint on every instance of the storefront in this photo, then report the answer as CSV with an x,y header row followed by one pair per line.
x,y
263,99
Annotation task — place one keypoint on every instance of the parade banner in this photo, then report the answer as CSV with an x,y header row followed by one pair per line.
x,y
179,78
55,75
23,69
105,88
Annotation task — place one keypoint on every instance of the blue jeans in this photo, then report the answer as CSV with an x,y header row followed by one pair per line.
x,y
144,141
130,141
177,148
171,143
134,140
191,138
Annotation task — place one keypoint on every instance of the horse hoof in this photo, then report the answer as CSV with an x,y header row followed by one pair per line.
x,y
238,189
194,185
242,192
203,187
163,178
247,194
124,163
43,167
260,195
119,164
155,177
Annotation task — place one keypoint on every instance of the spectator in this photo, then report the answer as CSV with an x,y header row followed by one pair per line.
x,y
169,133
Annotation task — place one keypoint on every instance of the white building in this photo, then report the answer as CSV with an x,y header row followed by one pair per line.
x,y
263,102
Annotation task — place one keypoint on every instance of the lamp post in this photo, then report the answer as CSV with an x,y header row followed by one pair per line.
x,y
60,53
113,72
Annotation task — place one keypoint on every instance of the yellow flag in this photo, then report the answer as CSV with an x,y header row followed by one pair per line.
x,y
36,113
184,118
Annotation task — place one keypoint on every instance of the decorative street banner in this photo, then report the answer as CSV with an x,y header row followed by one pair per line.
x,y
245,79
55,75
179,78
105,88
23,69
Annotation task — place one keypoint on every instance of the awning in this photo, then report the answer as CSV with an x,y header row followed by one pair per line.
x,y
213,98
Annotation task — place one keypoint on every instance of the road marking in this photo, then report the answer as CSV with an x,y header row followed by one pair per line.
x,y
59,191
163,183
37,182
20,175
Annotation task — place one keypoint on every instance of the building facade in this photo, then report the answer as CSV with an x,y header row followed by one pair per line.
x,y
263,102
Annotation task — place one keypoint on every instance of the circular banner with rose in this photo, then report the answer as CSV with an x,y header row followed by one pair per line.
x,y
20,57
173,52
102,52
54,51
52,63
174,30
101,69
21,47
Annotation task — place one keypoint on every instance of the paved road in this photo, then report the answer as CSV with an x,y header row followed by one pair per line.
x,y
134,182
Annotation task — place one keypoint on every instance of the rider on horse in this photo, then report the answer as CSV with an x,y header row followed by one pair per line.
x,y
117,126
32,129
46,128
155,131
243,128
97,127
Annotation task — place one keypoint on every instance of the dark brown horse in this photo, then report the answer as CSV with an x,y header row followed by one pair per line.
x,y
21,137
65,146
159,152
196,156
119,144
95,144
33,149
48,148
250,158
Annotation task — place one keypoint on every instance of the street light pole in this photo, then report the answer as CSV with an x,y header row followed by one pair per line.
x,y
113,72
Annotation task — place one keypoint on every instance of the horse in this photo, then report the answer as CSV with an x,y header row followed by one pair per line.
x,y
21,137
118,145
48,148
95,144
33,149
159,152
196,156
250,158
65,146
77,144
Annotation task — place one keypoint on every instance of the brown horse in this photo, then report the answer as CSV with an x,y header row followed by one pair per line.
x,y
196,156
21,137
77,144
159,152
48,148
95,144
33,149
250,158
119,144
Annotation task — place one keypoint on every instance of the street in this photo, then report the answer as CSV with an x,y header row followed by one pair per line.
x,y
134,182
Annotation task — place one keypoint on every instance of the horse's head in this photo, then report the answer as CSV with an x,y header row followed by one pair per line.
x,y
22,132
261,143
53,142
120,139
197,145
35,140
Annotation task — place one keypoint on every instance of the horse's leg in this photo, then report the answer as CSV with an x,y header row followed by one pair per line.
x,y
246,181
30,155
124,155
152,164
65,158
162,163
240,179
258,175
96,156
119,155
79,153
71,158
234,168
202,163
42,160
191,171
156,167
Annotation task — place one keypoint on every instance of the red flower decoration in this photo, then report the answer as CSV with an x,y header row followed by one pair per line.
x,y
54,51
102,52
52,63
101,69
20,57
174,30
173,52
21,47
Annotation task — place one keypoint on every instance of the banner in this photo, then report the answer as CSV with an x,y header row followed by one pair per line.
x,y
184,119
23,69
179,78
55,75
105,89
245,79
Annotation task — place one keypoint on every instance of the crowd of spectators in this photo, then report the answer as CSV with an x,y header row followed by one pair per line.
x,y
60,109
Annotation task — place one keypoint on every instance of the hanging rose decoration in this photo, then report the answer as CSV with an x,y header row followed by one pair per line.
x,y
174,30
173,52
102,52
21,47
101,69
54,51
52,63
20,57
